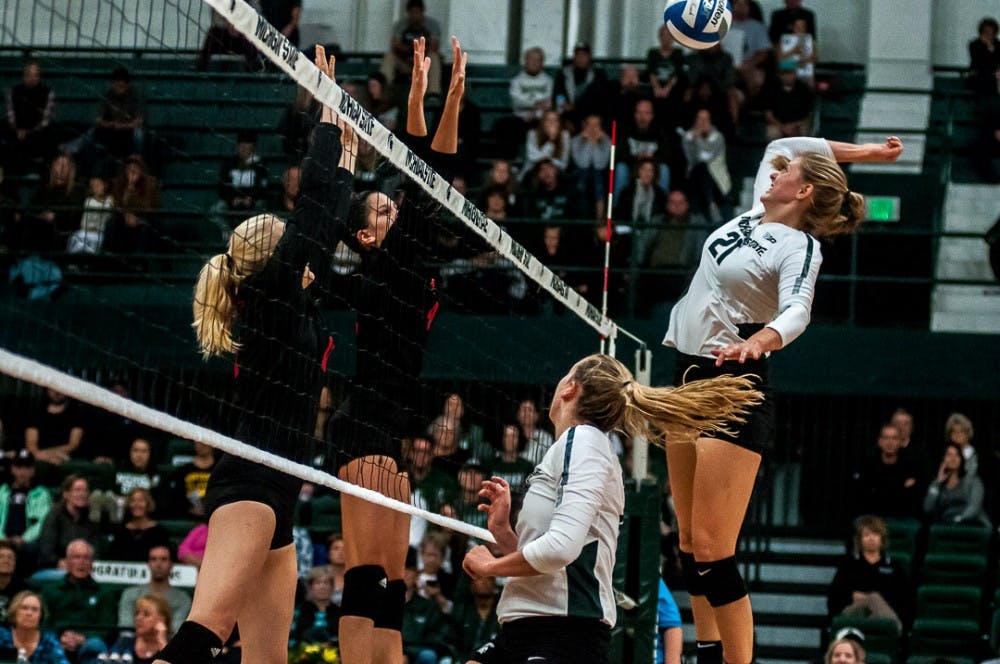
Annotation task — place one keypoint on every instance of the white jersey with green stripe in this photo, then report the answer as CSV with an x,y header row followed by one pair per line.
x,y
750,273
568,531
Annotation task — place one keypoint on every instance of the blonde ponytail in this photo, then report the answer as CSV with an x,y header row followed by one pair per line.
x,y
250,246
611,399
214,305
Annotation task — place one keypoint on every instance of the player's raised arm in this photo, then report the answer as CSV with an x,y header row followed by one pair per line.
x,y
446,136
416,124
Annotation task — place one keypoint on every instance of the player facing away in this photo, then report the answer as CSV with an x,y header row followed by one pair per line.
x,y
751,295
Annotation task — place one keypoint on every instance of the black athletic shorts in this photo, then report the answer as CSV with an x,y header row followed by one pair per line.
x,y
235,479
757,433
366,424
550,640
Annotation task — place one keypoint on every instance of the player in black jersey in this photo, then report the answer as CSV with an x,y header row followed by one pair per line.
x,y
395,297
255,301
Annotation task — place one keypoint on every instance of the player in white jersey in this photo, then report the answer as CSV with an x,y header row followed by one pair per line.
x,y
558,605
751,295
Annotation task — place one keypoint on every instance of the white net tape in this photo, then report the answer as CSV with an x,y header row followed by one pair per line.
x,y
31,371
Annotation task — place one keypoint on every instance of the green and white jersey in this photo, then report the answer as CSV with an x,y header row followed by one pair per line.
x,y
750,273
568,531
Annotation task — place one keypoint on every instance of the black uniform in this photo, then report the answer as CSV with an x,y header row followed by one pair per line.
x,y
283,349
396,299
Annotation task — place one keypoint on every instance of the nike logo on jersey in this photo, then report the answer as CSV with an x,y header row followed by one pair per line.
x,y
704,572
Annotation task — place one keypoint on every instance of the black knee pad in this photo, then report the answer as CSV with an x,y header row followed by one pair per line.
x,y
709,652
722,581
390,615
690,572
364,588
192,644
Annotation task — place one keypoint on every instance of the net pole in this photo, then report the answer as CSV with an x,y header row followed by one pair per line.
x,y
31,371
607,235
640,444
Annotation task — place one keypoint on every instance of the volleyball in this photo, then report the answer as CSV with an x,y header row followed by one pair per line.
x,y
698,24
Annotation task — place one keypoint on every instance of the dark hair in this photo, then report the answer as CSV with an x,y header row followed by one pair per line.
x,y
415,4
120,74
246,136
521,442
876,524
989,22
961,457
357,219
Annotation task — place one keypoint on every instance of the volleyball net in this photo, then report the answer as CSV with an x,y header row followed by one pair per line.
x,y
395,313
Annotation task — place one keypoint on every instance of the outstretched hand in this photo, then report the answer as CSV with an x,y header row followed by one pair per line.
x,y
421,68
497,491
456,88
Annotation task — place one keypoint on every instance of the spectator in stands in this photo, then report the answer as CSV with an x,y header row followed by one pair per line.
x,y
887,484
67,522
464,505
23,504
708,173
590,157
185,488
499,176
448,456
790,104
783,20
139,532
556,253
25,614
98,208
984,59
192,549
379,101
470,434
750,46
316,617
151,630
119,131
54,208
56,430
508,463
138,472
643,138
622,96
11,579
669,633
531,90
958,430
430,487
433,582
161,563
10,215
136,196
337,566
547,141
956,495
714,84
397,64
799,46
474,618
222,37
242,181
79,600
284,203
284,15
424,625
641,203
579,86
675,246
869,582
668,73
844,651
30,106
548,198
537,439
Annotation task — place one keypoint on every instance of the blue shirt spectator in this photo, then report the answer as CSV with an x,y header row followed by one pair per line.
x,y
669,639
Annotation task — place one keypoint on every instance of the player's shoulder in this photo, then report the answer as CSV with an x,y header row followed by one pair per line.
x,y
587,436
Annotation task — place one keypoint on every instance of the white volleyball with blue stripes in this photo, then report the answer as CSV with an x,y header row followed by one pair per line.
x,y
698,24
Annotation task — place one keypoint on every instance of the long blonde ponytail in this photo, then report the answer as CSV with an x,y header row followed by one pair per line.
x,y
611,399
250,246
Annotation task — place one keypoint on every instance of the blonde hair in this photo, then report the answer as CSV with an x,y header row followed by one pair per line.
x,y
958,421
250,247
15,605
160,605
611,399
835,209
859,652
